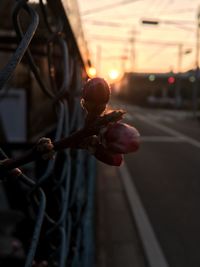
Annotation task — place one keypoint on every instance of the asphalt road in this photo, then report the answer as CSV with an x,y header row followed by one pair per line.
x,y
166,172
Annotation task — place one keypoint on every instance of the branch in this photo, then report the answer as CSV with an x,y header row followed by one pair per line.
x,y
44,148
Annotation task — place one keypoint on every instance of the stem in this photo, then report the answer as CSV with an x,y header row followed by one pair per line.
x,y
72,141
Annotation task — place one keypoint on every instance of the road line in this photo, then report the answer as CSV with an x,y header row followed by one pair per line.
x,y
169,130
167,139
150,243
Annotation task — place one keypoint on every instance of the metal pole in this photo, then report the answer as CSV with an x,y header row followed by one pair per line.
x,y
132,42
195,88
122,64
180,53
123,60
178,83
98,60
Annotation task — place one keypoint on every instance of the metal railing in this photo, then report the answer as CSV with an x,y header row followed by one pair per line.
x,y
56,200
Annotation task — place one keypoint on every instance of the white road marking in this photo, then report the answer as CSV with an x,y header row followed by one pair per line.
x,y
128,116
159,117
168,130
167,139
150,243
153,251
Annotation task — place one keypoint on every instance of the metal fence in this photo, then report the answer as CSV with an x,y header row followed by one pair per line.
x,y
53,202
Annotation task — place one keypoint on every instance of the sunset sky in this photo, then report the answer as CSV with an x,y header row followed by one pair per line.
x,y
117,39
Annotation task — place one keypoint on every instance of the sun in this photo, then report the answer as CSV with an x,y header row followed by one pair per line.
x,y
113,74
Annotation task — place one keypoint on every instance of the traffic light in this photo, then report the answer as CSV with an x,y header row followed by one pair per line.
x,y
152,77
171,80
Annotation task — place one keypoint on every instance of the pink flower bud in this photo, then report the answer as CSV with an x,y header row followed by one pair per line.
x,y
97,91
93,108
121,138
108,157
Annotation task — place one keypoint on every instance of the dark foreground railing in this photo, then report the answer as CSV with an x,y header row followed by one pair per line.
x,y
50,209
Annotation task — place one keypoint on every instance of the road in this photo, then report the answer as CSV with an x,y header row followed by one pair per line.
x,y
166,173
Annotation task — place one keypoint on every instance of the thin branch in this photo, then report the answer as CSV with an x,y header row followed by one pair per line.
x,y
72,141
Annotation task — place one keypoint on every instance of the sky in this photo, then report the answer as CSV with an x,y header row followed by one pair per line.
x,y
118,40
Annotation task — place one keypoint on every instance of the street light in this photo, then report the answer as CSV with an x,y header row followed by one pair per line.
x,y
177,23
180,46
150,22
180,55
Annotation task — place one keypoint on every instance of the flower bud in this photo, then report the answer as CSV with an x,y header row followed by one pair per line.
x,y
108,157
121,138
97,91
93,108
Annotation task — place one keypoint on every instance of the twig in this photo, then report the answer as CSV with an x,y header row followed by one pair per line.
x,y
72,141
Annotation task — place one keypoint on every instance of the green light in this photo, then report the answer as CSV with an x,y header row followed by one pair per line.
x,y
152,77
192,79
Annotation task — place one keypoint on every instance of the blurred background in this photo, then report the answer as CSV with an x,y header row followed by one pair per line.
x,y
149,52
147,45
140,36
145,213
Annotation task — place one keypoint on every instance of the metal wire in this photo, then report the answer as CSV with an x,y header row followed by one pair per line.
x,y
8,70
18,29
36,233
61,195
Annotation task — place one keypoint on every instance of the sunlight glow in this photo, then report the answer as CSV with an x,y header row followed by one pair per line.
x,y
91,72
113,74
117,27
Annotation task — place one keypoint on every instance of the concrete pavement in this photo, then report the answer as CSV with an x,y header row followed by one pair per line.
x,y
117,241
166,174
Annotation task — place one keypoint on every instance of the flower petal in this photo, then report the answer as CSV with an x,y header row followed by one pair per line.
x,y
121,138
108,157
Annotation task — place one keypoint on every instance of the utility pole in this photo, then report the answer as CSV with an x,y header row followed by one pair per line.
x,y
133,56
178,83
180,53
123,58
98,59
122,64
195,88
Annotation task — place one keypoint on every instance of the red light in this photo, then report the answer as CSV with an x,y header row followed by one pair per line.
x,y
171,80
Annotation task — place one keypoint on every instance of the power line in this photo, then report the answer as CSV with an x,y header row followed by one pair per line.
x,y
153,6
170,21
110,24
177,11
162,7
156,53
118,25
149,42
181,24
107,7
185,28
124,57
104,23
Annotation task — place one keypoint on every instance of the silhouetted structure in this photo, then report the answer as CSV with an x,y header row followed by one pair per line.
x,y
158,89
